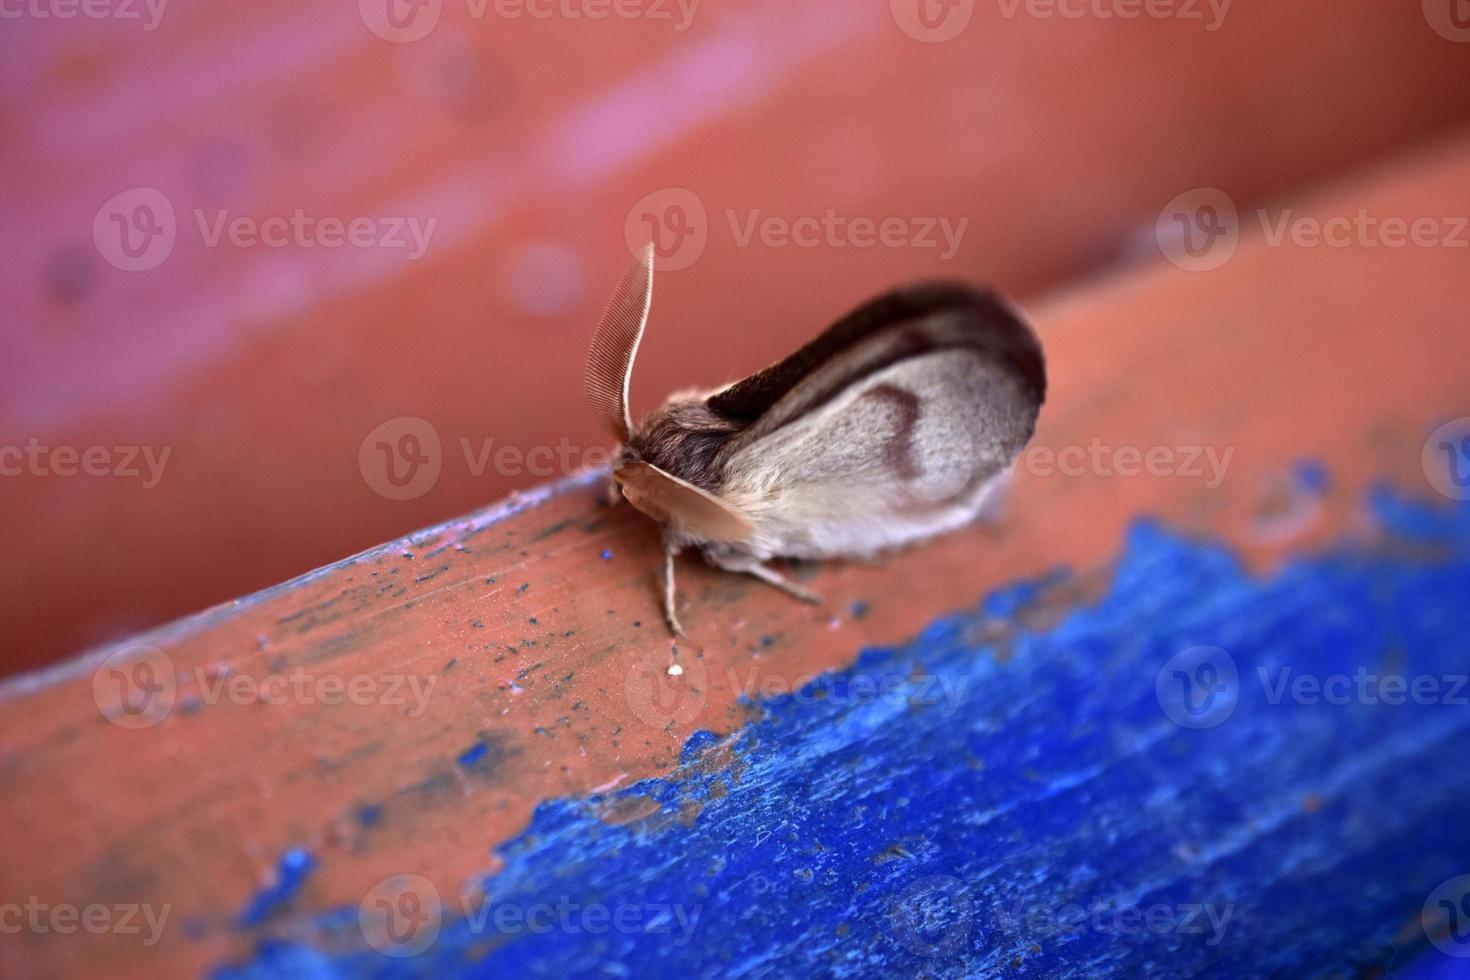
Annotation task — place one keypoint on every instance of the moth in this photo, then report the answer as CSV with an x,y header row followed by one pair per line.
x,y
899,422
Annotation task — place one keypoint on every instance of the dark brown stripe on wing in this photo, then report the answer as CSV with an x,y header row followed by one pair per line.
x,y
996,331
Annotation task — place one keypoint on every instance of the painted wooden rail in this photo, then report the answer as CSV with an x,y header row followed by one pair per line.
x,y
478,745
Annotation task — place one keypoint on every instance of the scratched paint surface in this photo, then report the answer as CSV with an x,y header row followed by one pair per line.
x,y
945,807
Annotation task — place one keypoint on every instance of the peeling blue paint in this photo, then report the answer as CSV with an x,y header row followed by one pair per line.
x,y
942,809
294,868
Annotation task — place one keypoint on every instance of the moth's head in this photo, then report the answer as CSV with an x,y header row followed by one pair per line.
x,y
682,437
662,466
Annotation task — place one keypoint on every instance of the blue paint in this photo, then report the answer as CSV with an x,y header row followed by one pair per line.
x,y
369,814
937,809
473,754
295,866
606,554
1311,476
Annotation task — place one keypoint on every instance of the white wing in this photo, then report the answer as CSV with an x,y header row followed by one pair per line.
x,y
905,452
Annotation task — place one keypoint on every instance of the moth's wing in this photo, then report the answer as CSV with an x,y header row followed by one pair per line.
x,y
615,346
900,428
682,506
899,324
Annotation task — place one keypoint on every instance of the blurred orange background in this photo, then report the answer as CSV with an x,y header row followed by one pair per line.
x,y
279,273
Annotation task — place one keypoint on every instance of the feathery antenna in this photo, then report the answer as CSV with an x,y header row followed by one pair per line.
x,y
610,361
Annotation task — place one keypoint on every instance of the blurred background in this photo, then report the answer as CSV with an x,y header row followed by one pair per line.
x,y
287,279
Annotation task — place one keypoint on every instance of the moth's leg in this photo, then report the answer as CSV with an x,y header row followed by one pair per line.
x,y
671,551
765,573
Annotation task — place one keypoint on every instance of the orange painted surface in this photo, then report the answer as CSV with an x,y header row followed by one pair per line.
x,y
535,644
262,371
